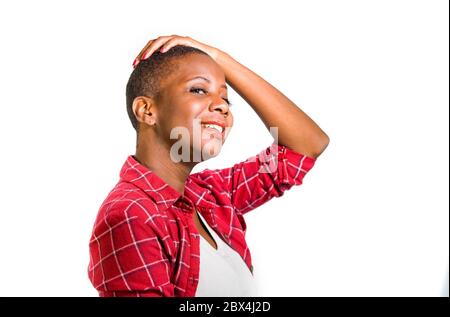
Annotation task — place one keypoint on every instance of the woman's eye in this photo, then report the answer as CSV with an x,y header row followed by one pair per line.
x,y
198,89
227,101
204,91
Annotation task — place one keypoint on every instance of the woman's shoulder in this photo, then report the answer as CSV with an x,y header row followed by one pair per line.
x,y
209,177
126,201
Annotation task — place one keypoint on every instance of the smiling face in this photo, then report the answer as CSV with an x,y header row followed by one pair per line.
x,y
194,94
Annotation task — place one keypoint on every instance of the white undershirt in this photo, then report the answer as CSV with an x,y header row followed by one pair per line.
x,y
223,272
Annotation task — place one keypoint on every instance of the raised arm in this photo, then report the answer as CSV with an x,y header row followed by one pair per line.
x,y
296,129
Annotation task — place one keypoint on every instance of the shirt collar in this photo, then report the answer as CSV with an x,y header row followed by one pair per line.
x,y
196,192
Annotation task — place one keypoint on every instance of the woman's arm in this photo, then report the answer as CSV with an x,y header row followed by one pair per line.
x,y
295,129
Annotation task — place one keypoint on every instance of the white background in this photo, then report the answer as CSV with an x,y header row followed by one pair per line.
x,y
371,218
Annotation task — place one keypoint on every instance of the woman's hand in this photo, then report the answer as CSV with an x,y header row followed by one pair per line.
x,y
164,43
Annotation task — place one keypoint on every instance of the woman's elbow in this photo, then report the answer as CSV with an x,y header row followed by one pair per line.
x,y
321,146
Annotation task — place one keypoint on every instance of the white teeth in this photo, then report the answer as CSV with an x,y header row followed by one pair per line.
x,y
214,126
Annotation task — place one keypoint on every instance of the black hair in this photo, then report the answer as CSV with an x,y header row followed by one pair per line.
x,y
146,78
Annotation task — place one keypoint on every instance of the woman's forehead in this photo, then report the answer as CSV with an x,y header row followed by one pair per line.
x,y
198,67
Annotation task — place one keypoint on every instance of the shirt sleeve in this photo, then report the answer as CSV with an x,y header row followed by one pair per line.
x,y
127,258
266,175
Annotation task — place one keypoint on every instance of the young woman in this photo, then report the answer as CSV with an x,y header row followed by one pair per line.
x,y
165,232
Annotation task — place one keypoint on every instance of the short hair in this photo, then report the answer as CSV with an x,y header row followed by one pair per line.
x,y
146,78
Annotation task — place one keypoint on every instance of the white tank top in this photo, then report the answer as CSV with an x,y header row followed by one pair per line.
x,y
223,272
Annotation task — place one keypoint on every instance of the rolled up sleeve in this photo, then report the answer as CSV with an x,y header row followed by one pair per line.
x,y
268,174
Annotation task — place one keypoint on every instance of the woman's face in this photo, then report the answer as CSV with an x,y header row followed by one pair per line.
x,y
194,94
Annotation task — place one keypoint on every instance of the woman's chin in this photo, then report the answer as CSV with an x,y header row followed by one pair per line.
x,y
211,148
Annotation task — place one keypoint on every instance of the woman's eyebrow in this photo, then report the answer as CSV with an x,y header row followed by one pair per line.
x,y
205,79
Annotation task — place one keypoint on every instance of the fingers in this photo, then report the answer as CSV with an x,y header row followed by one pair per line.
x,y
142,51
154,46
172,42
163,42
151,47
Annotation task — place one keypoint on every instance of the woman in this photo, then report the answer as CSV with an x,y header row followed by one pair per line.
x,y
165,232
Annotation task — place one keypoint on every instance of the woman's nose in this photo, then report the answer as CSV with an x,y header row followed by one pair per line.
x,y
221,105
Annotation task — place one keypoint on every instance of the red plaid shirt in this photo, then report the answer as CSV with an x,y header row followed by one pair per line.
x,y
144,241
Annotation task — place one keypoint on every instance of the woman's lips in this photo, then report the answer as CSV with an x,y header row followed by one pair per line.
x,y
213,131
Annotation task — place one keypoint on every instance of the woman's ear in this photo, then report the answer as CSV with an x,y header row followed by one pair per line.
x,y
144,110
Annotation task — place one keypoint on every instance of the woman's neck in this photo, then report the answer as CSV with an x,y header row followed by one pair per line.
x,y
156,157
